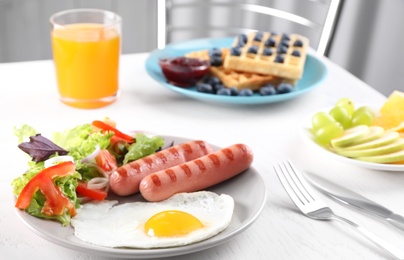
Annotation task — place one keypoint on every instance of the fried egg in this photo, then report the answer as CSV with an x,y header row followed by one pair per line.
x,y
183,219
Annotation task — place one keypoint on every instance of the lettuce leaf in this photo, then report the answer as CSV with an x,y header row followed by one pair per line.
x,y
142,147
40,148
24,132
81,141
22,180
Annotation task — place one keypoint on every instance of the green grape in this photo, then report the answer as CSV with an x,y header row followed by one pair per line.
x,y
325,134
362,117
348,104
362,109
341,115
321,119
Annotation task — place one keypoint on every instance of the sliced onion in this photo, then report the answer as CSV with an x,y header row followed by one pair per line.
x,y
92,155
58,159
98,183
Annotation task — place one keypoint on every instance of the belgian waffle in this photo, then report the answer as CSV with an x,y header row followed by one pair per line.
x,y
232,78
281,55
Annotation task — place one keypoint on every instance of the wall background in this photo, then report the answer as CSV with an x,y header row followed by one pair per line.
x,y
25,28
368,42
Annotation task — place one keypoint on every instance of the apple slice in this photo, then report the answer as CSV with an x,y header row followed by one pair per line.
x,y
375,132
399,128
350,135
385,158
385,149
385,139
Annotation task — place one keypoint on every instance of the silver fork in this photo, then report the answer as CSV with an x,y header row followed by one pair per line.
x,y
311,205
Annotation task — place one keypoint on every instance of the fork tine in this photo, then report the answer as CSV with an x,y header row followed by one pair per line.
x,y
295,185
300,182
284,178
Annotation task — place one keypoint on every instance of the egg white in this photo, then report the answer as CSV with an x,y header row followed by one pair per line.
x,y
107,224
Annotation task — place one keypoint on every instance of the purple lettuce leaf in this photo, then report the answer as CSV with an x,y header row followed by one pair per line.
x,y
41,148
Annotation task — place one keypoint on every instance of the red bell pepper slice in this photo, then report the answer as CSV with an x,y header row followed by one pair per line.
x,y
56,201
90,193
106,127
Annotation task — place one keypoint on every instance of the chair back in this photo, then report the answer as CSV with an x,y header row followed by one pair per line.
x,y
180,20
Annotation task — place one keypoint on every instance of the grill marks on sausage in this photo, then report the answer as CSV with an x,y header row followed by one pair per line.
x,y
174,152
172,175
201,165
122,172
215,160
185,168
202,145
243,149
156,180
162,158
228,153
148,161
187,148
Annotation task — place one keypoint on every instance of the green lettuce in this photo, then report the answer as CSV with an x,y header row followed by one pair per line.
x,y
24,132
19,182
142,147
81,141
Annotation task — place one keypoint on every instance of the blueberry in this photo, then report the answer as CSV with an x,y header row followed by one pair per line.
x,y
270,42
282,49
258,36
253,49
245,92
216,61
213,81
242,39
298,43
224,92
279,59
267,90
218,87
204,88
285,37
284,43
235,51
215,52
296,53
267,52
284,88
233,91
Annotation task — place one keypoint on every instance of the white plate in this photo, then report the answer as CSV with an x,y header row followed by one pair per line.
x,y
307,137
247,189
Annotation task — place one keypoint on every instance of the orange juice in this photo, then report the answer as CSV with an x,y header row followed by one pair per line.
x,y
86,59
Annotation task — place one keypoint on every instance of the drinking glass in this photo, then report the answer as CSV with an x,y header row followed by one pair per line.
x,y
86,46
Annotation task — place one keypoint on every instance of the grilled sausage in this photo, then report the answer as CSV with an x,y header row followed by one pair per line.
x,y
197,174
125,180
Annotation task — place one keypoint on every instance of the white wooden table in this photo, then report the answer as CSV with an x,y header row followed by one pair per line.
x,y
29,96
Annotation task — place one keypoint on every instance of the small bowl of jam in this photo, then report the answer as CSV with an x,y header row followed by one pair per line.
x,y
184,72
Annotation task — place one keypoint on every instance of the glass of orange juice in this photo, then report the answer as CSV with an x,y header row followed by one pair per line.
x,y
86,45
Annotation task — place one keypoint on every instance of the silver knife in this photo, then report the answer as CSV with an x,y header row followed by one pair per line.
x,y
354,199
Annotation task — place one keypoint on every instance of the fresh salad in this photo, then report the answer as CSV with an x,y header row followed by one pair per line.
x,y
73,166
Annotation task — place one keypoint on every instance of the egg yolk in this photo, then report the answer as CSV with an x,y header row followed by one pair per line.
x,y
172,223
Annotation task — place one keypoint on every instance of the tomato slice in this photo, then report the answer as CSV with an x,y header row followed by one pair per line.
x,y
106,161
90,193
106,127
56,201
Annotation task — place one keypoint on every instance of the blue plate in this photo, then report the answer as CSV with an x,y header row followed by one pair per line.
x,y
314,73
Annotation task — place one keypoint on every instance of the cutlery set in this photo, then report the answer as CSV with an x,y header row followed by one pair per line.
x,y
301,192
